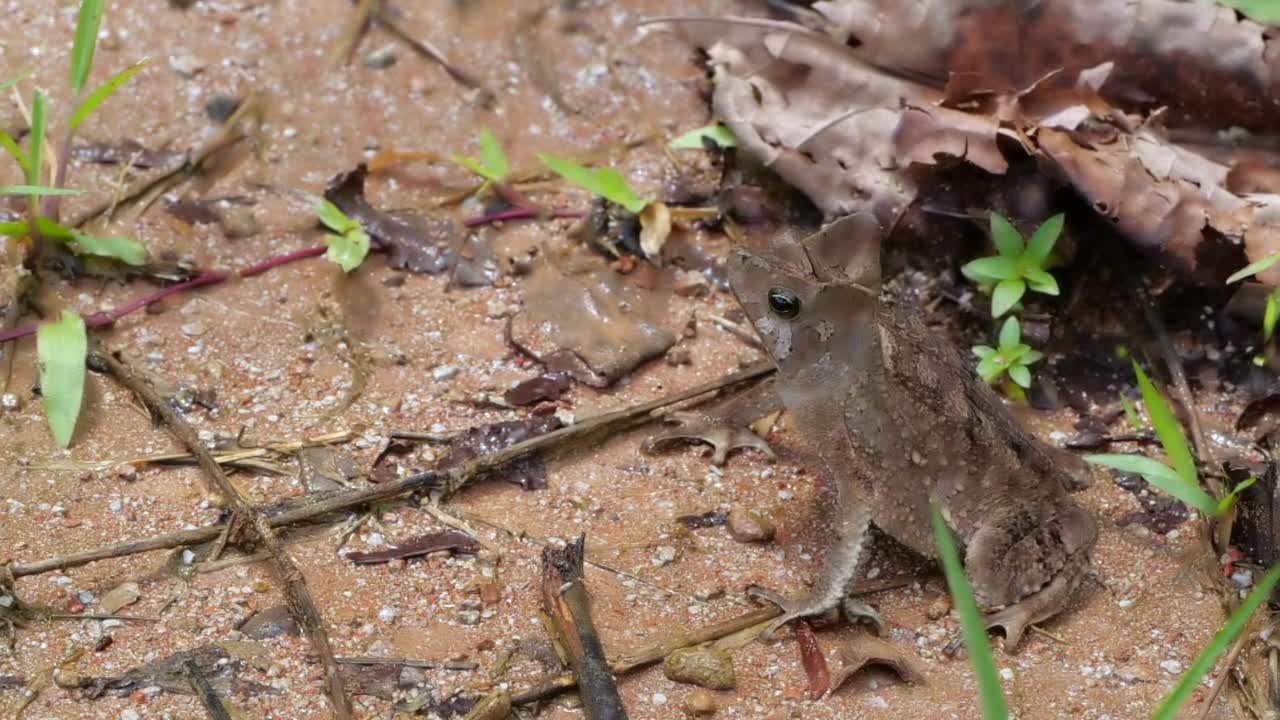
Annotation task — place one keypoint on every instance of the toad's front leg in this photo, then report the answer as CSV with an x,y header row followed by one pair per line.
x,y
839,569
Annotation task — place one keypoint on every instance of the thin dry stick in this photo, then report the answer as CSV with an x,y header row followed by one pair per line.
x,y
296,592
351,33
650,654
565,601
451,480
389,23
208,696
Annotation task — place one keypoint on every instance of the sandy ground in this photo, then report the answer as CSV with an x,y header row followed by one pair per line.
x,y
1140,620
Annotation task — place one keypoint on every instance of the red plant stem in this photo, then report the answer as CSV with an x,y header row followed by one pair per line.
x,y
103,318
520,213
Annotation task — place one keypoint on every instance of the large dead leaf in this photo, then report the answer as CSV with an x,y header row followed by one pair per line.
x,y
594,326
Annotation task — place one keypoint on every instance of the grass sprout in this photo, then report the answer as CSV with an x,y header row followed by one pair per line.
x,y
605,182
1018,266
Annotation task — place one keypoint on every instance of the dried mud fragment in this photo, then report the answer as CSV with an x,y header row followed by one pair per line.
x,y
535,390
445,540
593,326
269,623
127,152
529,473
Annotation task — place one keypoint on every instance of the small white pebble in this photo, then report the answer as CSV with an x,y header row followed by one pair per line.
x,y
659,699
1242,578
1173,667
129,714
9,401
1125,603
664,555
387,614
1006,674
444,372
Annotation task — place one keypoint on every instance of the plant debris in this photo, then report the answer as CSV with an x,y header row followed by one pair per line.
x,y
442,541
546,387
529,473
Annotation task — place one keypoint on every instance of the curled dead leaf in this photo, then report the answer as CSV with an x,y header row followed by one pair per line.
x,y
655,228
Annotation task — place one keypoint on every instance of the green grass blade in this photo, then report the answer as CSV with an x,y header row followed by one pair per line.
x,y
495,160
1005,236
130,252
14,81
14,229
11,146
476,167
36,190
1176,700
35,153
62,347
693,140
86,42
994,706
349,249
1254,268
334,219
104,91
1130,412
605,182
1270,315
1168,429
990,269
1160,475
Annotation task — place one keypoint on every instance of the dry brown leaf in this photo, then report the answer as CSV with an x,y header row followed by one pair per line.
x,y
655,228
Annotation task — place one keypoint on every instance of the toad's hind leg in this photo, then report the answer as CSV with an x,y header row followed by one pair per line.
x,y
1030,563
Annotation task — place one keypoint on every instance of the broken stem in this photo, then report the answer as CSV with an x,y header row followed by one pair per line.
x,y
445,482
520,213
565,601
296,592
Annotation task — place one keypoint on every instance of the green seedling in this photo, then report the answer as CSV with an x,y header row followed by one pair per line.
x,y
62,347
697,138
1013,358
1175,701
605,182
1178,477
994,706
1272,312
492,165
348,242
1018,266
130,252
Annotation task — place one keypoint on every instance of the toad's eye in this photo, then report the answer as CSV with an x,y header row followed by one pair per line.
x,y
784,303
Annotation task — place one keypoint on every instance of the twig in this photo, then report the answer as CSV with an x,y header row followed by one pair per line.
x,y
208,696
458,665
565,600
447,482
340,54
389,23
651,654
1221,680
296,592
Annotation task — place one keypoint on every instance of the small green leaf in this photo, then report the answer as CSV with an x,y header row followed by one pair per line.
x,y
1041,281
1005,236
1175,701
349,249
15,229
11,146
693,140
61,347
1007,294
1130,412
1270,315
983,351
994,706
1010,333
87,25
1168,429
104,91
990,368
36,190
1021,375
130,252
1042,242
1161,476
334,219
54,231
1228,502
1254,268
605,182
14,81
1031,357
495,160
990,269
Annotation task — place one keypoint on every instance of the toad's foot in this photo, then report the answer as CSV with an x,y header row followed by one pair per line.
x,y
1016,618
812,607
722,434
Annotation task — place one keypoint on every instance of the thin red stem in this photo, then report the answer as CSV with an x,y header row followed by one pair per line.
x,y
520,213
